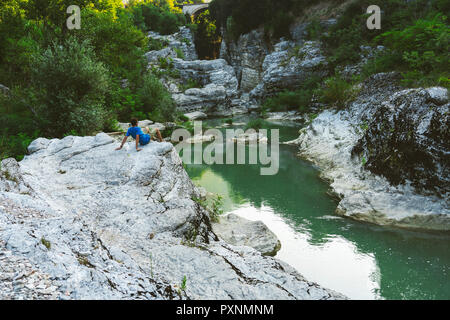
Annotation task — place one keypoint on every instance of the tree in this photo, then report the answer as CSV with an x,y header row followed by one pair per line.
x,y
70,87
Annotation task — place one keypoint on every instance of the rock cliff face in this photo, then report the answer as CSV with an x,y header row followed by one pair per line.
x,y
216,93
385,155
247,57
289,66
218,85
183,40
248,71
408,140
79,220
263,68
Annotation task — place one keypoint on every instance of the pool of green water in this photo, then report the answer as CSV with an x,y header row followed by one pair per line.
x,y
360,260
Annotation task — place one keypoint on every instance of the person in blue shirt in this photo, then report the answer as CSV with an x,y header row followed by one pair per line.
x,y
141,138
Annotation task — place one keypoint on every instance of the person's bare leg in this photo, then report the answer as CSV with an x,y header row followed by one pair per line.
x,y
147,129
158,134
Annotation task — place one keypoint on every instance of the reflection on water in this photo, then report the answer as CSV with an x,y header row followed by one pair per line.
x,y
354,274
336,264
359,260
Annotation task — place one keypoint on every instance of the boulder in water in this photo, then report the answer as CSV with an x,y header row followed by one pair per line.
x,y
239,231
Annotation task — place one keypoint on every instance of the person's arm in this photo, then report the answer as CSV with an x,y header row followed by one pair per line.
x,y
158,134
123,142
137,143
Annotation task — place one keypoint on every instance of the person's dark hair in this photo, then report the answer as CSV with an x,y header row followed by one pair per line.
x,y
134,122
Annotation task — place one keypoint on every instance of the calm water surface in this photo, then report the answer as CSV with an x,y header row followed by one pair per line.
x,y
360,260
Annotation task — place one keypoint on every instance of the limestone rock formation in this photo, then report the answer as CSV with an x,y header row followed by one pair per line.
x,y
79,220
218,81
246,56
288,67
408,140
385,154
156,55
264,67
183,40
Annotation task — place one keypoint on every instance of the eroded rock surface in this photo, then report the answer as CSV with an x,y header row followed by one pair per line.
x,y
218,85
79,220
182,40
401,137
246,56
288,67
408,140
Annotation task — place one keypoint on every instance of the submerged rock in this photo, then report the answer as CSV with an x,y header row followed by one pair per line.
x,y
96,223
286,116
401,137
242,232
196,115
200,138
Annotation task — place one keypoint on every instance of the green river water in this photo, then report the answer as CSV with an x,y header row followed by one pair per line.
x,y
360,260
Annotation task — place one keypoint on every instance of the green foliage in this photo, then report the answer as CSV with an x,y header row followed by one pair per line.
x,y
157,44
207,36
256,124
183,283
155,102
425,48
19,41
180,53
14,146
189,84
216,208
416,37
46,243
336,91
17,128
159,16
314,30
228,121
70,87
213,204
165,63
299,99
289,100
386,61
116,42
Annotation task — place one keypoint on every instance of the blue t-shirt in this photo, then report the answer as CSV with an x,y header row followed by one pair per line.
x,y
143,138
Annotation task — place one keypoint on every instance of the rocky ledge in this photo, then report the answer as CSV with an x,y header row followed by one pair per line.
x,y
386,154
239,231
79,220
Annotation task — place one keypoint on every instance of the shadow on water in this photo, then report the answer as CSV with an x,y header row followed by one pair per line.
x,y
358,259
